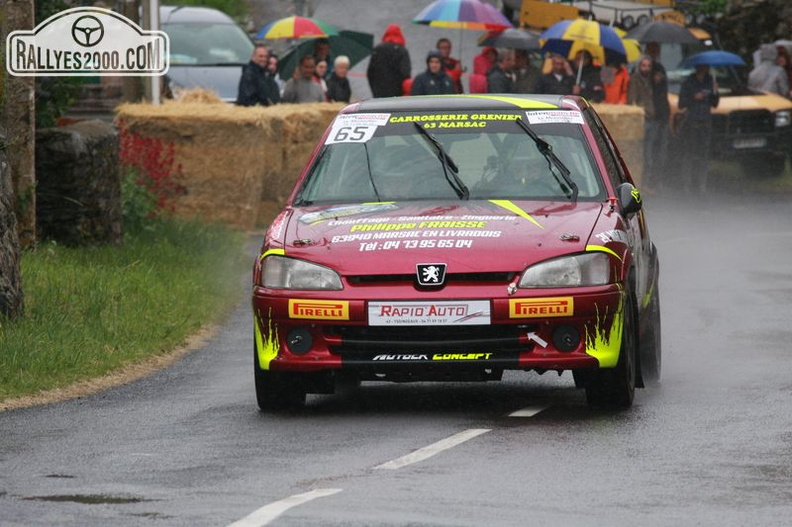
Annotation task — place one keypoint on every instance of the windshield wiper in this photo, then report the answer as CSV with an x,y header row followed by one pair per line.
x,y
371,177
454,180
569,187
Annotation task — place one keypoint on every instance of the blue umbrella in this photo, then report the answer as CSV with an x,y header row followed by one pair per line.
x,y
714,57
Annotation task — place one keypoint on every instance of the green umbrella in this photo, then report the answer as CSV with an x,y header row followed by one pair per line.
x,y
354,44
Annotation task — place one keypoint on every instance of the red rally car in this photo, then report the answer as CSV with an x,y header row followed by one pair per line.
x,y
454,237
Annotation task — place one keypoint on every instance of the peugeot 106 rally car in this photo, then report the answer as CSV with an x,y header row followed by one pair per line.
x,y
452,238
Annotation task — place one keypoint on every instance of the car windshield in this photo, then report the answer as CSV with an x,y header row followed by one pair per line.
x,y
208,44
495,158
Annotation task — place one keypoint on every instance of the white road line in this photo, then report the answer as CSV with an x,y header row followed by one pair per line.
x,y
529,411
428,451
266,514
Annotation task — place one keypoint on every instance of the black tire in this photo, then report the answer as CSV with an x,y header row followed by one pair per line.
x,y
764,165
277,391
614,388
651,344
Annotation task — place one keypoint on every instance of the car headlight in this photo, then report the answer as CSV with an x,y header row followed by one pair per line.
x,y
783,118
569,271
287,273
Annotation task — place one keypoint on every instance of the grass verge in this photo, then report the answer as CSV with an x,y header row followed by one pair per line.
x,y
92,311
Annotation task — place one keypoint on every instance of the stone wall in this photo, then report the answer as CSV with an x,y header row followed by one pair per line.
x,y
78,196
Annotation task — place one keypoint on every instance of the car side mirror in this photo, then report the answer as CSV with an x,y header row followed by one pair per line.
x,y
629,198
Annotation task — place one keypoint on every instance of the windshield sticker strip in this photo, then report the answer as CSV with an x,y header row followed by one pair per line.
x,y
550,117
508,205
518,102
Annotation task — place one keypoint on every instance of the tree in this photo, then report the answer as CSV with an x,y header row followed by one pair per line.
x,y
17,172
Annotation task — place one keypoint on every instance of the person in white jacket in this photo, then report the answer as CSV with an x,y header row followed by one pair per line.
x,y
769,76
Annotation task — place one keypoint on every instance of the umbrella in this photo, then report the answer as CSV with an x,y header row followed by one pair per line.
x,y
631,46
713,57
663,32
354,44
567,37
296,27
462,14
511,38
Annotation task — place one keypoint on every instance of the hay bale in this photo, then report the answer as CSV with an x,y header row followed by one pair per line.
x,y
232,158
626,125
197,95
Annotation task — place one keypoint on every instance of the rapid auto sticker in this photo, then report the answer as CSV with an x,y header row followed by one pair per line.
x,y
318,309
428,313
561,306
604,343
555,116
355,127
267,345
313,218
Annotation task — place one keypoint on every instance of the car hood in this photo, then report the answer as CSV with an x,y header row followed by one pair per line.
x,y
223,80
474,236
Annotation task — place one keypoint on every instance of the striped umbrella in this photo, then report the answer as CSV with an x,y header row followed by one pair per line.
x,y
567,37
462,14
296,27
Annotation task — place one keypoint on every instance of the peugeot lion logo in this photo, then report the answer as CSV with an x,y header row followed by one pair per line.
x,y
431,273
87,31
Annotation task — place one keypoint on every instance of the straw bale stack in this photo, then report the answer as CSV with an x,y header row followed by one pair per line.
x,y
235,161
626,125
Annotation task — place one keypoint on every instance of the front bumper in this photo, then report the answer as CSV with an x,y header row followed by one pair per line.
x,y
336,334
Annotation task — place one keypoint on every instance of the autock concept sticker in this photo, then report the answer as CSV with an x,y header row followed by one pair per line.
x,y
356,127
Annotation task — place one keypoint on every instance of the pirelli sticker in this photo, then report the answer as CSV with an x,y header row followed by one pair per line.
x,y
559,306
319,309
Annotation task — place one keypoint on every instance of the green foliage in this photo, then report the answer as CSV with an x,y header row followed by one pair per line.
x,y
138,203
90,311
236,9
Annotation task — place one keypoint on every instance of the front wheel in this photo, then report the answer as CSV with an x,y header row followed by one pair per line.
x,y
277,391
614,388
651,344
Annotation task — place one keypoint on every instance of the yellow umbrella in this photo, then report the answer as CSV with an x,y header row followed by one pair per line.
x,y
632,46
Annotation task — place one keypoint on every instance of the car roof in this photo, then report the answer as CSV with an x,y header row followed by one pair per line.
x,y
170,14
472,102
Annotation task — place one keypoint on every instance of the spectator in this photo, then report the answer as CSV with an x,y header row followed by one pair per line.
x,y
641,93
659,89
256,85
320,72
526,75
559,81
769,76
433,81
499,78
338,89
484,61
452,66
588,83
302,88
272,67
615,80
784,61
698,95
321,52
389,64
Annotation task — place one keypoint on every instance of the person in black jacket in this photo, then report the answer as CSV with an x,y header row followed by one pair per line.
x,y
389,65
559,81
697,97
590,82
434,81
499,76
338,89
256,85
